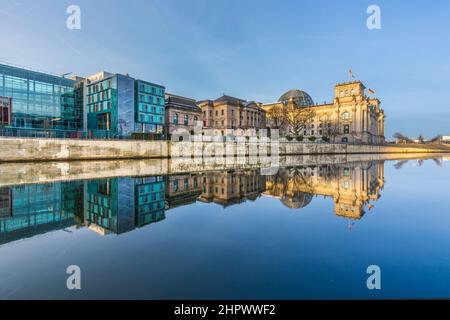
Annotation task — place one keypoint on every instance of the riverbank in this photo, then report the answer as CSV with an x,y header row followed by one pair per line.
x,y
37,149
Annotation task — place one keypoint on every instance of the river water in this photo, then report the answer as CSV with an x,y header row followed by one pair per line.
x,y
308,229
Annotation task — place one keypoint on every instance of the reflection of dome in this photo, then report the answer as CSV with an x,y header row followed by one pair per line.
x,y
301,98
299,200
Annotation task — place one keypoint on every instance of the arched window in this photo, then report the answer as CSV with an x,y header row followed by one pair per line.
x,y
175,118
346,115
346,129
345,140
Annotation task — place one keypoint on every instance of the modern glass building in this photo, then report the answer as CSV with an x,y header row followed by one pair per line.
x,y
149,113
119,106
37,104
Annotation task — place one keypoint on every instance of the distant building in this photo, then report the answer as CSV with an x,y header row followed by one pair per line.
x,y
226,114
38,104
352,117
182,115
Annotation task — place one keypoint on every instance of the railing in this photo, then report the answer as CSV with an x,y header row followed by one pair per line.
x,y
69,134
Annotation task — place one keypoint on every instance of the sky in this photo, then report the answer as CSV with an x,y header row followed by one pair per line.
x,y
251,49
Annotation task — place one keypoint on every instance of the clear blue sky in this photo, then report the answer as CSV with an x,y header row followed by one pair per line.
x,y
251,49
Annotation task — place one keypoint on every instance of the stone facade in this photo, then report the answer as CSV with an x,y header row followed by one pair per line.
x,y
227,114
182,116
352,117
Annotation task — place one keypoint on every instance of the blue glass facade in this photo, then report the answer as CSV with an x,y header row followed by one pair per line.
x,y
149,112
119,106
113,106
40,104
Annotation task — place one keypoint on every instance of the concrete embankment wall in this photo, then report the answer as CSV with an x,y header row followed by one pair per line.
x,y
30,149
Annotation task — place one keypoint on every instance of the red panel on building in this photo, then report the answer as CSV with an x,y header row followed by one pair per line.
x,y
5,111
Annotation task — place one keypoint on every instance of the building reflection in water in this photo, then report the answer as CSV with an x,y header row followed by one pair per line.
x,y
119,205
351,186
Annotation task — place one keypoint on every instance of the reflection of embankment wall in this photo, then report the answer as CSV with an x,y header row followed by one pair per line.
x,y
29,149
13,173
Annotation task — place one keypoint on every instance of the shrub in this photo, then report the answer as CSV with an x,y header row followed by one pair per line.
x,y
299,138
326,139
289,138
312,139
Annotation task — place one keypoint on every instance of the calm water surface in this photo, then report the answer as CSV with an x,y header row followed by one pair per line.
x,y
299,232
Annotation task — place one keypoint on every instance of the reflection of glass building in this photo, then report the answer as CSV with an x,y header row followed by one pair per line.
x,y
39,104
119,205
30,210
118,106
5,202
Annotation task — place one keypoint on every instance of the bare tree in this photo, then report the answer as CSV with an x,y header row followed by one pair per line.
x,y
331,131
400,164
401,138
278,117
436,139
421,138
298,118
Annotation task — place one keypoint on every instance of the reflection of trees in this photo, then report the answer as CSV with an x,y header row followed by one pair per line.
x,y
400,164
438,162
296,178
293,187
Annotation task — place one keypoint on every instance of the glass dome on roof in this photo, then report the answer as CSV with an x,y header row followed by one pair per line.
x,y
300,98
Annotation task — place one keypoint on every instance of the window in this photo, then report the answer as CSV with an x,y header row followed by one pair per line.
x,y
346,129
103,121
346,115
223,113
175,118
346,172
186,120
345,140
